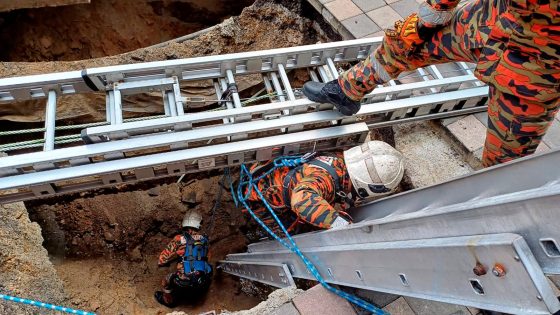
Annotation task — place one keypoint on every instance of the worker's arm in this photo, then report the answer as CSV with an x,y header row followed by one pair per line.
x,y
169,254
308,203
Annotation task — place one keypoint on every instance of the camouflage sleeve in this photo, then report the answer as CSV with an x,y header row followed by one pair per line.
x,y
169,254
308,202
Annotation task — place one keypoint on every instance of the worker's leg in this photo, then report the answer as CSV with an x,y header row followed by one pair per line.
x,y
458,41
166,295
520,110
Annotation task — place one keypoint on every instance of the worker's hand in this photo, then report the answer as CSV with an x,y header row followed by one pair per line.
x,y
405,37
339,222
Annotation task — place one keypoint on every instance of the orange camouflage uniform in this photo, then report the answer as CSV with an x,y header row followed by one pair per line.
x,y
516,46
312,194
174,251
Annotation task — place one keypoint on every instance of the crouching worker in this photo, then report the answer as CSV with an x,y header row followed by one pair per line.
x,y
315,194
194,273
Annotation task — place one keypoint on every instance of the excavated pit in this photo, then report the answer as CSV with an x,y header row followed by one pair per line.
x,y
104,244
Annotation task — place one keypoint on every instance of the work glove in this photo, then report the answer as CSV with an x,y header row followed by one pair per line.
x,y
405,38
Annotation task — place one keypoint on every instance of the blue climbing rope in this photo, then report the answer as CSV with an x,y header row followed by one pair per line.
x,y
247,181
43,305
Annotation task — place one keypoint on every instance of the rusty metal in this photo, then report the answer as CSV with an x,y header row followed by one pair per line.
x,y
499,270
479,269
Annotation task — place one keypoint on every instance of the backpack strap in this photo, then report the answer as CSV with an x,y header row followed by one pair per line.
x,y
188,258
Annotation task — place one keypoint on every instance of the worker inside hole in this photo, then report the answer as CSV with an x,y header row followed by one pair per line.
x,y
514,43
194,274
316,194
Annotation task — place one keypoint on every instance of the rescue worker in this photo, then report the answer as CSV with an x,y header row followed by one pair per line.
x,y
317,192
194,273
515,45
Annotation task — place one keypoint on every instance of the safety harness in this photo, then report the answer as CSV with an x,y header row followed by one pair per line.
x,y
196,255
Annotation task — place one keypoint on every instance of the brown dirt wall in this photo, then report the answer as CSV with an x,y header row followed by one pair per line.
x,y
264,25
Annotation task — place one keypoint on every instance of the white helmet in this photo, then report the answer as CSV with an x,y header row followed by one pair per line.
x,y
375,169
192,219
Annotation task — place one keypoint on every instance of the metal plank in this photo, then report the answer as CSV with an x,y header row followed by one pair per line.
x,y
531,213
438,269
276,275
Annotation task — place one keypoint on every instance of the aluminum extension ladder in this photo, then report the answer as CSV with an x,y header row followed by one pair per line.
x,y
126,152
485,240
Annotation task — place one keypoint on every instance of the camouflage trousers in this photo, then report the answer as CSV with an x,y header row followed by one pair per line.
x,y
524,90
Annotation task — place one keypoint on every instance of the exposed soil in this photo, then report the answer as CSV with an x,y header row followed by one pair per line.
x,y
263,25
111,242
25,270
105,27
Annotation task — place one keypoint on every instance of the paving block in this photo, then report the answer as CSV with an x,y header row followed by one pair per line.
x,y
542,148
448,121
336,24
399,307
469,131
405,7
286,309
368,5
343,9
319,300
552,137
380,299
425,307
483,118
360,26
326,1
384,17
376,34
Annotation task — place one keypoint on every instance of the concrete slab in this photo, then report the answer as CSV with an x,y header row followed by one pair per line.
x,y
318,300
424,307
360,26
552,137
430,159
368,5
542,148
343,9
286,309
399,307
483,118
469,131
384,17
405,7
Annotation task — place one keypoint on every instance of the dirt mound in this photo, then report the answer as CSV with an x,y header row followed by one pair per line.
x,y
25,269
263,25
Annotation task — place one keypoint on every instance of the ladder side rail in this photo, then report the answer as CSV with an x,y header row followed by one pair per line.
x,y
214,66
158,140
49,183
96,134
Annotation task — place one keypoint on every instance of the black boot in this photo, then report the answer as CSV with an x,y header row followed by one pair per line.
x,y
159,296
331,92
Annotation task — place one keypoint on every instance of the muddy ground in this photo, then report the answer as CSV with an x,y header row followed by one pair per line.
x,y
111,244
